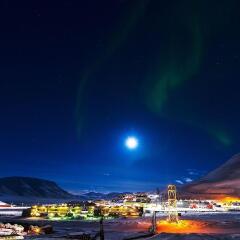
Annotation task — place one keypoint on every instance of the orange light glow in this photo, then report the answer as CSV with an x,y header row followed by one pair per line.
x,y
184,226
229,199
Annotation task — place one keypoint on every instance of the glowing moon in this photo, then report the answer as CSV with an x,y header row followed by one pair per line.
x,y
131,143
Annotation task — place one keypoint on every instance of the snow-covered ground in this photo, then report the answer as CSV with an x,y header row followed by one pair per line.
x,y
118,229
172,236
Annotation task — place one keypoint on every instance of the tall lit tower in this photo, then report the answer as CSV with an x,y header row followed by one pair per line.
x,y
172,204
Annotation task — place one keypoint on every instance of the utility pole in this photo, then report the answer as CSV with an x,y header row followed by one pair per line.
x,y
101,229
154,224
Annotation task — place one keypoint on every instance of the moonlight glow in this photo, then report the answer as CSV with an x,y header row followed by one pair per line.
x,y
131,143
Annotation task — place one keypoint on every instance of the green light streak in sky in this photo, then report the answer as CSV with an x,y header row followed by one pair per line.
x,y
221,136
128,20
175,70
178,62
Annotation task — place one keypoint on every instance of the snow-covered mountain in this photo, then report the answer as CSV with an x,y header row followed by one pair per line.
x,y
223,181
31,187
35,190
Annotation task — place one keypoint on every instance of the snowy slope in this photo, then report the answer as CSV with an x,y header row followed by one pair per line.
x,y
225,180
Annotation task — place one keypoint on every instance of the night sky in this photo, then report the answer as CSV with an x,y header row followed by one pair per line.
x,y
78,77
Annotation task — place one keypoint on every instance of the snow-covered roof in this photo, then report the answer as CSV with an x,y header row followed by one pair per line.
x,y
3,203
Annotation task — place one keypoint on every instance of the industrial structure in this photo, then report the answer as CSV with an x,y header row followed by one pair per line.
x,y
172,204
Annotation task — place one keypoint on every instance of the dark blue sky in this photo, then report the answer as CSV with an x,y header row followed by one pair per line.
x,y
78,77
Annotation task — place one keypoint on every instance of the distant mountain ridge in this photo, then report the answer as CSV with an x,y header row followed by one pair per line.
x,y
97,195
31,187
28,189
223,181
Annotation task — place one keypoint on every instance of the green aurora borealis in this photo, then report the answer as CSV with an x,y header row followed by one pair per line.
x,y
79,77
181,45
